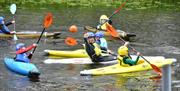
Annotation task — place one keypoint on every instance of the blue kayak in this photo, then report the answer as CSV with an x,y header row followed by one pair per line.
x,y
26,69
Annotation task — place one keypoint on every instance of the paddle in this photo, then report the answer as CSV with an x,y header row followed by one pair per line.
x,y
13,10
72,42
47,22
113,32
115,12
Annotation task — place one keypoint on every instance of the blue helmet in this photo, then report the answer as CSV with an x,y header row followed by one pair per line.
x,y
90,34
99,34
1,19
19,46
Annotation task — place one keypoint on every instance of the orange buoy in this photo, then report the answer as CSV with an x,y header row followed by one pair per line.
x,y
73,28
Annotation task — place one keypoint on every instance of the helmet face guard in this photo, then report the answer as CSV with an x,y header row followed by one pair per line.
x,y
103,19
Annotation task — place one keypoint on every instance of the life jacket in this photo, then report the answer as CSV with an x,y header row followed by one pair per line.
x,y
97,49
121,61
4,29
23,57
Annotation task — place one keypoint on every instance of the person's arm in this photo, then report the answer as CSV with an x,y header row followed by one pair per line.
x,y
22,50
9,23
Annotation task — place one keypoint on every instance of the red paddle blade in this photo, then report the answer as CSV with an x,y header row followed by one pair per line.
x,y
156,69
112,30
48,20
70,41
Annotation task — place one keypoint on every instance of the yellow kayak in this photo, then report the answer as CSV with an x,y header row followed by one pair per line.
x,y
117,68
31,34
79,53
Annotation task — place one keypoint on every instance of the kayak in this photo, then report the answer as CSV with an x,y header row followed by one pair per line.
x,y
76,61
31,34
26,69
121,33
79,53
57,60
117,68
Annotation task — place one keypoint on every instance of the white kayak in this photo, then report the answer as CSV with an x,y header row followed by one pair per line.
x,y
88,60
76,61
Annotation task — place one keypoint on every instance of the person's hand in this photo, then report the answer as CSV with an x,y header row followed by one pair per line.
x,y
13,32
34,44
138,54
126,44
85,35
98,27
12,21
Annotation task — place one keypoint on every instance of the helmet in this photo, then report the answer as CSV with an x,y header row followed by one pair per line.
x,y
90,34
1,19
123,50
20,45
99,34
103,17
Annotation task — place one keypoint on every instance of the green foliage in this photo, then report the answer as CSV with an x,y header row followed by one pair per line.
x,y
130,4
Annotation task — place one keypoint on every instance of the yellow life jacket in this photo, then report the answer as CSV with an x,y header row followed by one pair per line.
x,y
103,27
121,62
97,49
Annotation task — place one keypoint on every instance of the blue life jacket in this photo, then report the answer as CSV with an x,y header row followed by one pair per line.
x,y
23,57
4,29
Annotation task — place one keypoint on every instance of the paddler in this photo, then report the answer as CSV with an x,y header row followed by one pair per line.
x,y
21,52
93,49
3,27
102,22
101,41
123,56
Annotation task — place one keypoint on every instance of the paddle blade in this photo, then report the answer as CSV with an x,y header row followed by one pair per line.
x,y
15,37
48,20
111,30
156,69
120,7
73,29
13,8
71,41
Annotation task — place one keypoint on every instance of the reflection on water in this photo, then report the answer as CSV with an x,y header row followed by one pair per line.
x,y
157,34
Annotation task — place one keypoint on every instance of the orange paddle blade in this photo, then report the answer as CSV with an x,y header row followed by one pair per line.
x,y
73,29
112,30
48,20
70,41
156,69
120,7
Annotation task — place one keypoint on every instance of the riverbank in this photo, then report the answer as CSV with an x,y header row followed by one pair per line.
x,y
130,4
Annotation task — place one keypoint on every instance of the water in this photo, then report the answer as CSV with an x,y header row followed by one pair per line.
x,y
157,35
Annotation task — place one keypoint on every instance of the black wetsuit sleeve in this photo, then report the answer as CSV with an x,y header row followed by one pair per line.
x,y
9,23
89,48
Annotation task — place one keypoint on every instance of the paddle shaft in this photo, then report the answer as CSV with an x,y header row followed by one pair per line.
x,y
115,12
135,51
39,39
14,23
